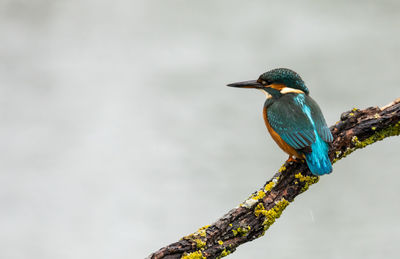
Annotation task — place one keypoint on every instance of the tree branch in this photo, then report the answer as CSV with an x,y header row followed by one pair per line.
x,y
356,129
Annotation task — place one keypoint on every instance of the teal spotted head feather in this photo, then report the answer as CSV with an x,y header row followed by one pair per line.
x,y
284,76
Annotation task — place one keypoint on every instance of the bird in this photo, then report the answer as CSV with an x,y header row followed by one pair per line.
x,y
293,118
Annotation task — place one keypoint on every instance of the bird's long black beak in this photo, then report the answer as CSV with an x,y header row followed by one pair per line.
x,y
247,84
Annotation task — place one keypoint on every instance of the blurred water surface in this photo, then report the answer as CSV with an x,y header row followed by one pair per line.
x,y
118,135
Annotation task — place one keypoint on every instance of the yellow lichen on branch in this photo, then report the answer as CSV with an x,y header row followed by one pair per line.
x,y
272,214
194,255
390,131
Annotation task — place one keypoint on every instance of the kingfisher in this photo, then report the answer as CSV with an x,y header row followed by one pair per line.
x,y
293,118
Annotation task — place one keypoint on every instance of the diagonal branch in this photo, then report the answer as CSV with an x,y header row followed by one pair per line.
x,y
356,129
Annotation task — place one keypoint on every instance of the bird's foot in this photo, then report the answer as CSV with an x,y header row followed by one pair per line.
x,y
293,159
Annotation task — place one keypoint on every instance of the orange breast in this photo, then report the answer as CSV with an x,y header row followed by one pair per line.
x,y
281,143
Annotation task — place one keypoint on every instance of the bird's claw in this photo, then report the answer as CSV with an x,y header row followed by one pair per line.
x,y
292,159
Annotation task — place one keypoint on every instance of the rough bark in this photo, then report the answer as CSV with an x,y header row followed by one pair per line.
x,y
356,129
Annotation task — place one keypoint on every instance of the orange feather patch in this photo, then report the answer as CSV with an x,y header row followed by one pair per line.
x,y
277,86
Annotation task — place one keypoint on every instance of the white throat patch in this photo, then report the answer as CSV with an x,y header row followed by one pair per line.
x,y
266,93
287,90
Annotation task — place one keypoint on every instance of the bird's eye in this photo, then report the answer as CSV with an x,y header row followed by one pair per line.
x,y
263,82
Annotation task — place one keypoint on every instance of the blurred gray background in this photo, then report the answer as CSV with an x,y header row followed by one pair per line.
x,y
119,136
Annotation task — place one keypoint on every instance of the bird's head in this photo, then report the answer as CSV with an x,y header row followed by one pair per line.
x,y
276,82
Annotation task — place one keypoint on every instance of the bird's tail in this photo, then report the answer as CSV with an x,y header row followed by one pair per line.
x,y
318,160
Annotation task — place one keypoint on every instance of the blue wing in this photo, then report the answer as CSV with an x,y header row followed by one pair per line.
x,y
319,120
288,118
300,123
